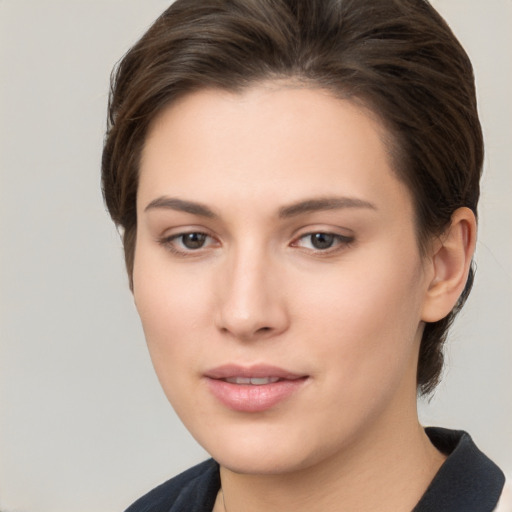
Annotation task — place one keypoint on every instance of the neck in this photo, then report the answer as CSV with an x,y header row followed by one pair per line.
x,y
388,469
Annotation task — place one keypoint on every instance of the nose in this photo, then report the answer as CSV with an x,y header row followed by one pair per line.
x,y
252,301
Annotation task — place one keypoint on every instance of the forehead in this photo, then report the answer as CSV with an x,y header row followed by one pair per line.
x,y
273,140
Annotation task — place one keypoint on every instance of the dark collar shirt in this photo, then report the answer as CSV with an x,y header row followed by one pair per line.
x,y
467,481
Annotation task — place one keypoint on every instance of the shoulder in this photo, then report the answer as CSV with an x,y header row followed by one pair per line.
x,y
193,490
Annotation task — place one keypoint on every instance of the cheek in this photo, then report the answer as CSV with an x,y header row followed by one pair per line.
x,y
365,318
172,306
172,311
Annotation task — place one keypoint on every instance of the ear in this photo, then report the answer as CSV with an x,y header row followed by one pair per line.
x,y
451,260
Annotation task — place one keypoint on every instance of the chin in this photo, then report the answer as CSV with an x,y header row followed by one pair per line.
x,y
254,452
258,464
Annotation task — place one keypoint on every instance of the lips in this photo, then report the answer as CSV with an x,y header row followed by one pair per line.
x,y
253,389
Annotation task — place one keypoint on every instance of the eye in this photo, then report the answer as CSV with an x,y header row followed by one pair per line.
x,y
192,240
321,241
186,243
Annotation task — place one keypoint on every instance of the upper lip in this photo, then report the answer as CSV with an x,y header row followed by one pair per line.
x,y
258,371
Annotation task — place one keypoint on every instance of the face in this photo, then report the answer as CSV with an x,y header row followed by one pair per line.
x,y
277,275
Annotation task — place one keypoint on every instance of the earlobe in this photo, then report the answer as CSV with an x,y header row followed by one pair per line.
x,y
451,261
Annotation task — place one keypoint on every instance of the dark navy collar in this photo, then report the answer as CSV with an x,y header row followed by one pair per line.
x,y
468,481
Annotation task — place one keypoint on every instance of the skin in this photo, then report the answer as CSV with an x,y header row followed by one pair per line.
x,y
256,290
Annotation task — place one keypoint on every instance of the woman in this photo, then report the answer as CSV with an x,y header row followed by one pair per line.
x,y
297,184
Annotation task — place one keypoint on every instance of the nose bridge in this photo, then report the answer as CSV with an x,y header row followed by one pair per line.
x,y
250,303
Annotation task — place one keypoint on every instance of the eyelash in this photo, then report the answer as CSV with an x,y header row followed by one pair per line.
x,y
339,242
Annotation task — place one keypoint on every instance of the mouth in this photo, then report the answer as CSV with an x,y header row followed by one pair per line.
x,y
254,381
253,389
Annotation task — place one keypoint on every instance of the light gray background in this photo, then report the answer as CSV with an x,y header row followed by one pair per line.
x,y
84,425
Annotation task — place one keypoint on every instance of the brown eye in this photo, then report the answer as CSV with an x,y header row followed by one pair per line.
x,y
193,240
187,244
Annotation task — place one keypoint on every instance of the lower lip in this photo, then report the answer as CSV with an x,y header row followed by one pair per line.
x,y
252,398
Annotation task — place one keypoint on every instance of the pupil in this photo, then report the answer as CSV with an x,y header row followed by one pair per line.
x,y
193,240
322,240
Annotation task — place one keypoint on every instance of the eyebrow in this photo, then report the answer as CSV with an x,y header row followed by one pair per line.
x,y
173,203
322,204
299,208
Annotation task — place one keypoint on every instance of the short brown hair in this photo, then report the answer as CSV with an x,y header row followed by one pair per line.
x,y
399,58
